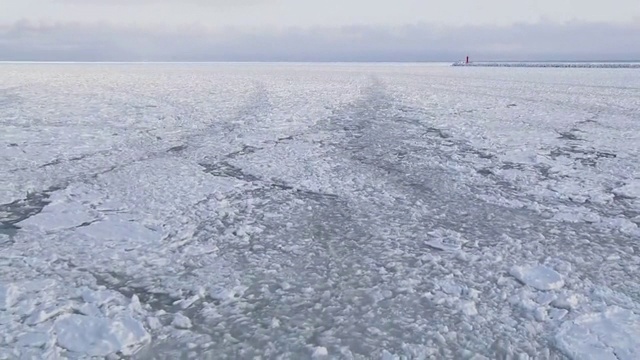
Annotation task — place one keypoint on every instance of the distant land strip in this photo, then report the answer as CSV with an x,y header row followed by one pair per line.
x,y
603,65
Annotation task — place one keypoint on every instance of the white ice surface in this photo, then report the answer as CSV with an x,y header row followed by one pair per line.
x,y
447,240
630,190
320,351
8,295
538,276
277,210
59,217
96,336
608,335
181,322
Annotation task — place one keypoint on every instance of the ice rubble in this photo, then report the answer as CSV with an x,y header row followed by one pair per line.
x,y
100,325
133,208
612,334
97,336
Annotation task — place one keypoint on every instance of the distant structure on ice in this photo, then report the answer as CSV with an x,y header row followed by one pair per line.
x,y
550,64
462,62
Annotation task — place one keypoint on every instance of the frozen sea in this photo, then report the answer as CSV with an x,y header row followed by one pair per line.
x,y
326,211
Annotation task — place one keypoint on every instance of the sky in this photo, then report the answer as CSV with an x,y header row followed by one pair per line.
x,y
319,30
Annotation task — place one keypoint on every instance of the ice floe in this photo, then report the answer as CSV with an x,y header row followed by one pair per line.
x,y
538,276
611,334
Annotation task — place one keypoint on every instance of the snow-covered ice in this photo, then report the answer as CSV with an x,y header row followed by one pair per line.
x,y
96,336
319,352
306,210
610,334
538,276
8,296
181,322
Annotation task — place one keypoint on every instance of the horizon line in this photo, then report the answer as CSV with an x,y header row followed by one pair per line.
x,y
298,61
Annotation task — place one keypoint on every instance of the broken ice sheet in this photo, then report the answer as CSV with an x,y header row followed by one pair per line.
x,y
445,240
609,335
96,336
538,276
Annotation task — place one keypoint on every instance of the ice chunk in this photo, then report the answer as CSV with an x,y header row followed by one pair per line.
x,y
186,303
8,296
223,294
275,323
154,323
44,313
557,314
320,351
623,225
469,308
576,215
33,339
540,314
449,287
57,216
538,276
98,297
181,322
120,230
567,302
545,298
135,305
446,240
609,335
37,285
95,336
630,190
89,310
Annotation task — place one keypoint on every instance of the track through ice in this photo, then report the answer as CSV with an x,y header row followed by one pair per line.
x,y
235,211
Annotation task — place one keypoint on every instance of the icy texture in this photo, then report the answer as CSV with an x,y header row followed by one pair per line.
x,y
279,210
181,322
8,296
320,352
610,335
98,336
538,276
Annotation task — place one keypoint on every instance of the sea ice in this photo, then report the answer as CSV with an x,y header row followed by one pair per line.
x,y
610,335
469,308
446,240
295,194
630,190
320,351
181,322
8,296
538,276
116,229
58,217
96,336
33,339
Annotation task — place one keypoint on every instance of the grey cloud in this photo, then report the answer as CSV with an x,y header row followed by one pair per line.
x,y
420,42
225,3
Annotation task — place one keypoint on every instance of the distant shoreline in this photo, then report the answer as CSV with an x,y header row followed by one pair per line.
x,y
554,64
624,64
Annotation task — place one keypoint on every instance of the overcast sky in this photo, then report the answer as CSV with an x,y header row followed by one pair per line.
x,y
389,30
